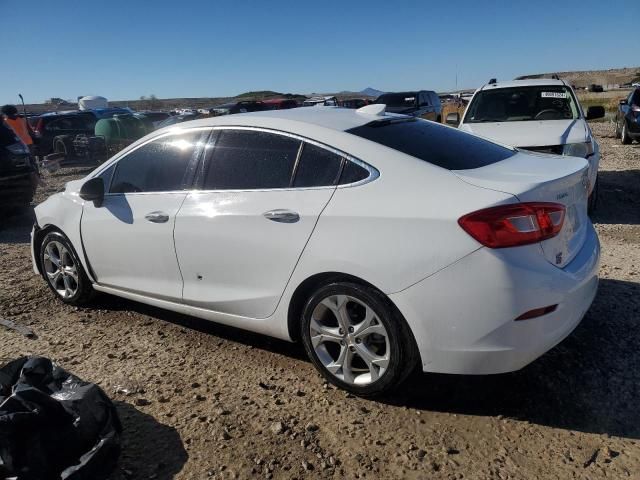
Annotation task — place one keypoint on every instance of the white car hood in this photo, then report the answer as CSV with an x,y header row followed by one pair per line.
x,y
531,133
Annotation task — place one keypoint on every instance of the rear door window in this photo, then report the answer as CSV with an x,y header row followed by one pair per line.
x,y
158,166
317,167
250,159
439,145
352,173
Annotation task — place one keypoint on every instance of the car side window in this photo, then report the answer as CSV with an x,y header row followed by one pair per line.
x,y
352,173
250,159
158,166
317,167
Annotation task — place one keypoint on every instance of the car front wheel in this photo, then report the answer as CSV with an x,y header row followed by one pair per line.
x,y
63,271
357,339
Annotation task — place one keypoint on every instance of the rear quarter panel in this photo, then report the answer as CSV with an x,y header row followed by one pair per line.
x,y
397,229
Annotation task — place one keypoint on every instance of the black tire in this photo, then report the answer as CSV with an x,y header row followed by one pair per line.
x,y
624,134
593,199
402,355
63,144
83,292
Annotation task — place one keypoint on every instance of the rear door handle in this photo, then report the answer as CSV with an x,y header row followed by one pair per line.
x,y
282,216
157,217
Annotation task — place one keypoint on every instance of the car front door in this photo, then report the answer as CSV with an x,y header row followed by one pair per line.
x,y
129,238
238,239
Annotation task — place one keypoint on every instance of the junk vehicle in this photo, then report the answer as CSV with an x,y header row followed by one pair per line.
x,y
18,171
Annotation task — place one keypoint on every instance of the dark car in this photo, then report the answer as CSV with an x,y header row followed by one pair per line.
x,y
354,103
423,104
18,171
628,118
279,103
55,131
238,107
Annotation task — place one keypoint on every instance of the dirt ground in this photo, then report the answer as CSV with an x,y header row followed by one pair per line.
x,y
198,400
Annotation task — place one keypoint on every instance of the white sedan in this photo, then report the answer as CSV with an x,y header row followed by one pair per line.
x,y
380,241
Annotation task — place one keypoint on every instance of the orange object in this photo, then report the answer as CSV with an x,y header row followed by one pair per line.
x,y
19,125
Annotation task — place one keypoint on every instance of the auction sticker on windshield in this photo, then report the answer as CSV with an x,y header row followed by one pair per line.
x,y
553,94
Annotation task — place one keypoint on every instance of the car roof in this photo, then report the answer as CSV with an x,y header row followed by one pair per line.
x,y
525,83
333,118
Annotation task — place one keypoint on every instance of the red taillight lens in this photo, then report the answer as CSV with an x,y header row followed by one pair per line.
x,y
37,130
515,224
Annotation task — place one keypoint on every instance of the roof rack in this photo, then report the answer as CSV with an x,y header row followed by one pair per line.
x,y
492,81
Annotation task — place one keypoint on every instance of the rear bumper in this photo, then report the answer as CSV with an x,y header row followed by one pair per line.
x,y
463,317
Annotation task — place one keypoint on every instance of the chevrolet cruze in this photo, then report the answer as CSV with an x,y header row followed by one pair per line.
x,y
379,241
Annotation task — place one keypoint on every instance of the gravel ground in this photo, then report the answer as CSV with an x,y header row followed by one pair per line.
x,y
203,401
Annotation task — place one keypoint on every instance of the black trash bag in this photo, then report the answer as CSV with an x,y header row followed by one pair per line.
x,y
54,426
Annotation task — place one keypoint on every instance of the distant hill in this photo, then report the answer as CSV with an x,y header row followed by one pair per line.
x,y
371,92
614,76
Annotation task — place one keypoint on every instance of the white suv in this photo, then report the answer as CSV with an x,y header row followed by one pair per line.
x,y
541,115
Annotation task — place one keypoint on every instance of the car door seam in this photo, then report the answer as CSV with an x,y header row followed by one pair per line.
x,y
175,250
295,266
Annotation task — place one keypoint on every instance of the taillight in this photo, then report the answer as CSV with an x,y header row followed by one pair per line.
x,y
515,224
37,130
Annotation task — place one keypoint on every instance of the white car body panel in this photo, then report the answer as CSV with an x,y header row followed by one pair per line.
x,y
144,258
398,232
246,261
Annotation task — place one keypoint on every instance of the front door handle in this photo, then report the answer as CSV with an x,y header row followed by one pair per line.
x,y
282,216
157,217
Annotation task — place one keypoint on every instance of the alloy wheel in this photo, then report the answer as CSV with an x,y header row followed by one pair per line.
x,y
350,340
61,269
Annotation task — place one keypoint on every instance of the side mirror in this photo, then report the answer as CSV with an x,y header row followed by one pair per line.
x,y
93,191
623,101
453,119
595,112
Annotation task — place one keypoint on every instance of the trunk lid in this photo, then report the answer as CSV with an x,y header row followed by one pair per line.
x,y
538,178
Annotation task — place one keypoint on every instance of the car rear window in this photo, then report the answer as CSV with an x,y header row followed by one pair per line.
x,y
439,145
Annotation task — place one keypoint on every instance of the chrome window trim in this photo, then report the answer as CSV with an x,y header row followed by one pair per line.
x,y
373,172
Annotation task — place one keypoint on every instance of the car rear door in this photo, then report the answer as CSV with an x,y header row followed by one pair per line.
x,y
238,239
128,239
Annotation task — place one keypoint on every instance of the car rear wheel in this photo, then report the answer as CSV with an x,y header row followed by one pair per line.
x,y
63,271
624,134
357,339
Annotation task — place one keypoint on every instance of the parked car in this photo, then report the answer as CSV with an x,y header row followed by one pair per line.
x,y
628,118
320,101
595,88
422,104
354,103
18,171
541,115
279,103
154,116
55,131
175,119
369,237
238,107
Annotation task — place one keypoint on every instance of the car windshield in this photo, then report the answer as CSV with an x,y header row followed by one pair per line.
x,y
519,104
405,100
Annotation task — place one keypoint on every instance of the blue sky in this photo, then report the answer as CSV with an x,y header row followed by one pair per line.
x,y
123,49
